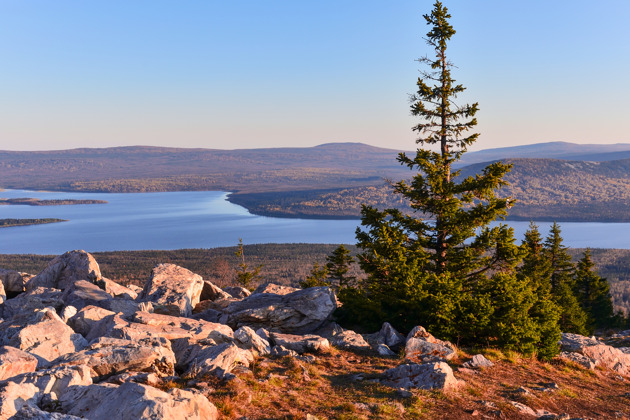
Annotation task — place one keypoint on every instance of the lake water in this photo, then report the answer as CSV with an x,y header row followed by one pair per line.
x,y
176,220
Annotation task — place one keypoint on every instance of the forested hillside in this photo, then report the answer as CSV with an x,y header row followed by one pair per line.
x,y
331,180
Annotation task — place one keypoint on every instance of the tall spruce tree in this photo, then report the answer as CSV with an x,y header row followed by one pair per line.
x,y
444,267
593,293
573,319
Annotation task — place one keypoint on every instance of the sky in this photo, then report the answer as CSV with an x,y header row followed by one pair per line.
x,y
250,73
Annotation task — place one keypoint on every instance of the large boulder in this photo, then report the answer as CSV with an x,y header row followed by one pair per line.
x,y
173,290
108,356
247,338
237,292
598,353
300,312
43,334
66,269
212,292
82,293
15,361
203,358
14,396
437,375
115,289
83,321
136,401
56,379
39,298
14,281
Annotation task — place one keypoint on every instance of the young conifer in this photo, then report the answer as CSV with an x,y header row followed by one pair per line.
x,y
593,293
443,266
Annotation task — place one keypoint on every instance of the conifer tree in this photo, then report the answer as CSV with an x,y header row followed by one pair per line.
x,y
593,293
443,266
572,318
317,277
338,265
536,269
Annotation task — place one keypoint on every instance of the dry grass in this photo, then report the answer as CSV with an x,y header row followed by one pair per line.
x,y
339,385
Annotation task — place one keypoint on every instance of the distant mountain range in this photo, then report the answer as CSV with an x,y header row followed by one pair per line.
x,y
551,181
552,150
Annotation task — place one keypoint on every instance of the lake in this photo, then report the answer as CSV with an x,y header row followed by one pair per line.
x,y
176,220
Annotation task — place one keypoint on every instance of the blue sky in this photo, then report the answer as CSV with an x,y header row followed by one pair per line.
x,y
251,73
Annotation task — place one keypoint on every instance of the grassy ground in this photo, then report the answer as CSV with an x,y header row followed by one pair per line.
x,y
339,385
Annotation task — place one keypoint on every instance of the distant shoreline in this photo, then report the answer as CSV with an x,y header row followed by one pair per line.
x,y
5,223
27,201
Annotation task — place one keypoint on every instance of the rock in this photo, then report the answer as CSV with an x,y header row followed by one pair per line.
x,y
389,336
136,401
127,308
173,290
301,343
212,292
217,305
108,356
83,321
82,293
195,329
280,351
45,335
116,290
523,409
29,412
209,315
14,281
275,289
478,361
15,361
299,312
600,354
66,269
200,359
28,302
145,378
422,347
3,295
56,380
437,375
14,396
383,350
248,339
578,358
343,339
237,292
67,313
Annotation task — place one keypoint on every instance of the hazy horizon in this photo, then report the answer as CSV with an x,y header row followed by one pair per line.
x,y
222,75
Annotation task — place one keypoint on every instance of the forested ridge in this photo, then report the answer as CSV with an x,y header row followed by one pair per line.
x,y
331,180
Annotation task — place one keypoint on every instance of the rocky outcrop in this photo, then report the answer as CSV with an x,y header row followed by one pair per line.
x,y
173,290
135,401
299,312
56,380
66,269
301,343
594,353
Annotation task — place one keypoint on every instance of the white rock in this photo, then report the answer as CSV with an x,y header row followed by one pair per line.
x,y
66,269
15,362
136,401
173,290
425,376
